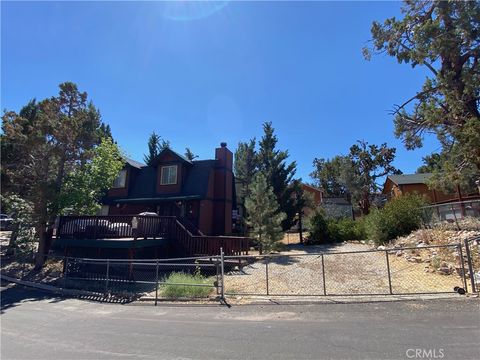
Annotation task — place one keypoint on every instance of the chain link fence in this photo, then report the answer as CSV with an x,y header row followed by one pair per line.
x,y
183,278
400,271
407,270
460,215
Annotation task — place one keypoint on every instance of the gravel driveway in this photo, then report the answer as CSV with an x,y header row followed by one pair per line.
x,y
298,271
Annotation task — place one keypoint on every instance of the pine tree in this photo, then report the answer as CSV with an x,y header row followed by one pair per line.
x,y
279,174
51,139
190,155
155,146
264,216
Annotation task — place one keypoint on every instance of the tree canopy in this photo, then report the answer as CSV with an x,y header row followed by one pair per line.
x,y
273,164
190,155
264,216
444,38
356,175
44,143
156,144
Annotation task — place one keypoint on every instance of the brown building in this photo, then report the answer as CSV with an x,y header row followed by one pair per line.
x,y
316,195
397,185
199,191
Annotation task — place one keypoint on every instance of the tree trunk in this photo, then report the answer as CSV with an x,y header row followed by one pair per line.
x,y
12,244
41,230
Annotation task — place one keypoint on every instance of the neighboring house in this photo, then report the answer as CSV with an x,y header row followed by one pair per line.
x,y
397,185
201,191
337,207
334,207
316,195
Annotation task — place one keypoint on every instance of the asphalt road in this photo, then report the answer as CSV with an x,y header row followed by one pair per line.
x,y
36,325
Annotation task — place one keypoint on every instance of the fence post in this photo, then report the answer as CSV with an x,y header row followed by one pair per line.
x,y
65,273
470,266
324,277
108,273
455,217
222,264
156,287
462,264
23,267
266,274
389,275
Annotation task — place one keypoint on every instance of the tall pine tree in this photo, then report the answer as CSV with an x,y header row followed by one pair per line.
x,y
273,163
155,146
264,217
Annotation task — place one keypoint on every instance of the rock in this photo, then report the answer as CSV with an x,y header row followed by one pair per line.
x,y
422,244
381,247
399,253
444,270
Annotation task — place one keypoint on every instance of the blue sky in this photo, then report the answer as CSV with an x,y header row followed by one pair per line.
x,y
202,73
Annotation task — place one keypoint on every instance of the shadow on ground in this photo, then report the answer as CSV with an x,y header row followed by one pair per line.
x,y
13,295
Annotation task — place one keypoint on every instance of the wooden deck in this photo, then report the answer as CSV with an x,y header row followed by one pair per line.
x,y
131,232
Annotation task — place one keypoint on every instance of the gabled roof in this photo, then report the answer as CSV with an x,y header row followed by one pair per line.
x,y
410,178
135,164
195,185
174,153
312,187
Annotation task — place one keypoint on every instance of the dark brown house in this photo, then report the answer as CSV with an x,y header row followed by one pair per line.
x,y
200,191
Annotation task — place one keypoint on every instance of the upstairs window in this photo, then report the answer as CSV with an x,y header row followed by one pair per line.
x,y
168,175
121,180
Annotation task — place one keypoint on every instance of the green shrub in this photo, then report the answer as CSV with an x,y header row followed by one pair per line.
x,y
333,230
399,217
318,229
345,229
360,228
174,291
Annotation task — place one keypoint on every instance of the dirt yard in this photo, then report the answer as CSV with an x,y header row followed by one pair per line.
x,y
298,271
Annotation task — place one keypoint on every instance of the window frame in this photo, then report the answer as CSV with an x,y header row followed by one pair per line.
x,y
115,186
163,169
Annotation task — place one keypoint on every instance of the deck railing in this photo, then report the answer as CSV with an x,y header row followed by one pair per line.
x,y
143,227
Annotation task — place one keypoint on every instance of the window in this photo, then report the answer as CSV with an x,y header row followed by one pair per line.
x,y
169,175
121,179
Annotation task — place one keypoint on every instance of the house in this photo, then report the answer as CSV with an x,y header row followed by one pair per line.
x,y
172,208
200,191
316,196
397,185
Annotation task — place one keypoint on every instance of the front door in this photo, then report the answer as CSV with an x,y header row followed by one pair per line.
x,y
169,208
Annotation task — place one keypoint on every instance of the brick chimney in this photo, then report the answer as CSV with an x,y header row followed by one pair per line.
x,y
223,193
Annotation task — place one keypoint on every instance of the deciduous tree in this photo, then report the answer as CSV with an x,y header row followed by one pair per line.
x,y
85,186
